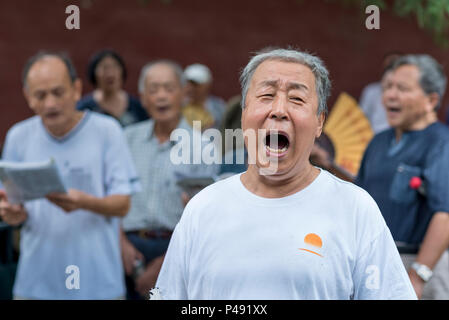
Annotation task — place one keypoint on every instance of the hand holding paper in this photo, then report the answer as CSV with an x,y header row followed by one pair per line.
x,y
70,201
12,214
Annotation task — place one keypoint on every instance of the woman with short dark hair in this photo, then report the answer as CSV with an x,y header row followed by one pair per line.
x,y
107,73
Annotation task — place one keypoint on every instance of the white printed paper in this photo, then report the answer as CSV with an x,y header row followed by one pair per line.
x,y
24,181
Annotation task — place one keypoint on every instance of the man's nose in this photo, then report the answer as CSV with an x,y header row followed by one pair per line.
x,y
161,95
279,108
389,94
50,101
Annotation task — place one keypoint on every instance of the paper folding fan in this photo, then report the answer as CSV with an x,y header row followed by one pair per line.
x,y
349,131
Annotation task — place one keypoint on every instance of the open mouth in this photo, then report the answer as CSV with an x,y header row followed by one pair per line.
x,y
393,110
51,115
277,143
110,81
163,108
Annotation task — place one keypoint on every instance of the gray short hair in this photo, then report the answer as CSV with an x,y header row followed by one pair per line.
x,y
179,72
431,74
316,65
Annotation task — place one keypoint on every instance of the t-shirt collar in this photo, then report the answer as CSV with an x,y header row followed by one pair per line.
x,y
72,132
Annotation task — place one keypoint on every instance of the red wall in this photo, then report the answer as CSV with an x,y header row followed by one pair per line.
x,y
220,33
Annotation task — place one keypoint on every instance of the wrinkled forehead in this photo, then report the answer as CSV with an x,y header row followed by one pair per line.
x,y
283,75
161,73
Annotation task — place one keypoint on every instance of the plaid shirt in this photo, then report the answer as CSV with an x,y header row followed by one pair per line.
x,y
159,205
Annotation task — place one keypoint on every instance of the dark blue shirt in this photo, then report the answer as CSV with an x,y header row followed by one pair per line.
x,y
387,168
134,112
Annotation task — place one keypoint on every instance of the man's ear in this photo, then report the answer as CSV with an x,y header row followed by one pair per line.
x,y
143,102
78,86
433,99
142,99
321,119
27,95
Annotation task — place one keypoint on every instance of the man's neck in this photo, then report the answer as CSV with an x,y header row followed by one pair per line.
x,y
428,119
61,131
267,187
163,130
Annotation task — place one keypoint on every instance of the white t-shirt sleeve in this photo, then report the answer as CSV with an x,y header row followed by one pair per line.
x,y
120,173
379,273
10,150
172,282
12,144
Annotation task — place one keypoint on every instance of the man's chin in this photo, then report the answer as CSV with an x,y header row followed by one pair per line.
x,y
272,169
394,121
51,122
164,117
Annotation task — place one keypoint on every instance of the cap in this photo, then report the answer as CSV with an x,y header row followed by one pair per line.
x,y
198,73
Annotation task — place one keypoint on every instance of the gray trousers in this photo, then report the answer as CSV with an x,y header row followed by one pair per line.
x,y
438,286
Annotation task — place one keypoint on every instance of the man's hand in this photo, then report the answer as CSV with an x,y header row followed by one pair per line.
x,y
115,205
417,283
129,254
70,201
148,278
12,214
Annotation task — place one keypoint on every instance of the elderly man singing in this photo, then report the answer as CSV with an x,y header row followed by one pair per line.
x,y
283,229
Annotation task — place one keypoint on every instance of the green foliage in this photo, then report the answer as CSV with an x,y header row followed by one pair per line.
x,y
432,15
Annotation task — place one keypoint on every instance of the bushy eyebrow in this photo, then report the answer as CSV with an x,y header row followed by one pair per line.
x,y
290,85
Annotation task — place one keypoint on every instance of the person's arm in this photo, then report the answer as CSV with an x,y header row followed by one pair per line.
x,y
148,279
129,253
436,238
436,241
109,206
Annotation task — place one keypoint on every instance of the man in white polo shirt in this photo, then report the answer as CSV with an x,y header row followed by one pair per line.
x,y
284,229
69,245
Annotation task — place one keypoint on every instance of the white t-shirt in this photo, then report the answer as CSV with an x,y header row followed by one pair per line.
x,y
327,241
73,255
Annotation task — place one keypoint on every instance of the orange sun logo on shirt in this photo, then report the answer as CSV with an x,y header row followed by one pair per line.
x,y
314,242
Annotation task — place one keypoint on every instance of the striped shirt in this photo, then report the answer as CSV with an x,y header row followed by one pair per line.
x,y
159,205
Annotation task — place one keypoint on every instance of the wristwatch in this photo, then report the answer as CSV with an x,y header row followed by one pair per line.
x,y
422,271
